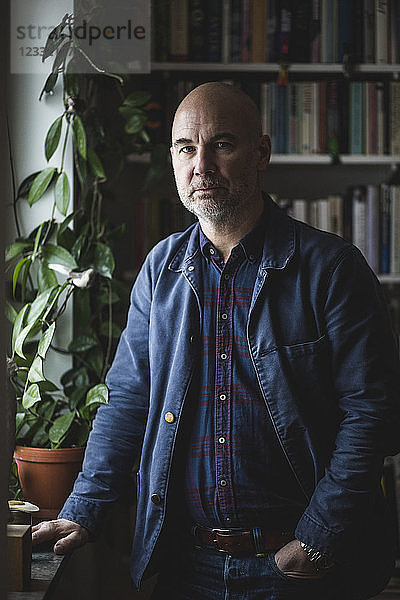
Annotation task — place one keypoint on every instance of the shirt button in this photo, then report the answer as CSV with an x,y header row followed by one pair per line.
x,y
169,417
224,356
224,316
222,396
156,499
212,251
221,440
226,276
251,257
222,482
191,268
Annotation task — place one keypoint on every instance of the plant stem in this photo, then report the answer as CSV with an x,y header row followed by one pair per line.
x,y
109,338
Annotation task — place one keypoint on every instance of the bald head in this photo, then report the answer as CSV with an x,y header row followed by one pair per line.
x,y
215,100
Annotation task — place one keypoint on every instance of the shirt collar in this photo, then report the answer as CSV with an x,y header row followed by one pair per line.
x,y
251,243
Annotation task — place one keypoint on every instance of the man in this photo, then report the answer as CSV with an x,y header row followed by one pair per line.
x,y
258,380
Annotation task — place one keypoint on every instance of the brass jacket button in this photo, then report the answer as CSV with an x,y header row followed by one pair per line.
x,y
156,499
169,417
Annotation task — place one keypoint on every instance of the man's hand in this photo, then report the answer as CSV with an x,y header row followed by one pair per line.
x,y
69,535
294,562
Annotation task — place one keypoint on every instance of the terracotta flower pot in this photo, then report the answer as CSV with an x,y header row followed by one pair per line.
x,y
47,476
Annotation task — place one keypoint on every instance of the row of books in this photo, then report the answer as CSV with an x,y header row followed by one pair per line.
x,y
367,216
231,31
357,117
317,117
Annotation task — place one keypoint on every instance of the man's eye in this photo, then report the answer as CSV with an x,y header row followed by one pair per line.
x,y
187,149
223,145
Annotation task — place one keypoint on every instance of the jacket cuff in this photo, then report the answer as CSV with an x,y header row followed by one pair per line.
x,y
84,512
329,543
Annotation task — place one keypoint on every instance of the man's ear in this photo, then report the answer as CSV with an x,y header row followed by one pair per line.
x,y
264,149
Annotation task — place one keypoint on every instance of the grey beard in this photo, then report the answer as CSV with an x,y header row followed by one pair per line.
x,y
225,211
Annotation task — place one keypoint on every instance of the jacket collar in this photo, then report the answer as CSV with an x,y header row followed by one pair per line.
x,y
279,240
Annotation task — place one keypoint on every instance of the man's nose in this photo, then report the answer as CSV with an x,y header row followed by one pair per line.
x,y
205,162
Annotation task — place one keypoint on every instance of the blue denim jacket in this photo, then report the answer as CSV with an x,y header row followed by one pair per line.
x,y
325,358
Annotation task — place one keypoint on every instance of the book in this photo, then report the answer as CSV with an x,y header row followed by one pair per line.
x,y
259,32
322,142
395,230
300,210
246,30
369,31
160,38
372,224
178,24
305,121
284,30
226,31
293,129
356,117
336,214
283,119
381,31
214,30
236,31
359,219
197,31
381,119
385,233
300,50
271,29
345,29
315,32
370,117
394,104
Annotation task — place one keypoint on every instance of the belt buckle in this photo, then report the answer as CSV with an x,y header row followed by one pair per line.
x,y
215,531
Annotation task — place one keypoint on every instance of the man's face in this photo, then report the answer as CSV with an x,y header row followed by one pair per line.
x,y
215,162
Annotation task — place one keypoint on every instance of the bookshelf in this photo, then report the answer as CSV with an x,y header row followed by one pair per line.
x,y
274,68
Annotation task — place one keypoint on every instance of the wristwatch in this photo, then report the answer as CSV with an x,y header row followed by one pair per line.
x,y
319,560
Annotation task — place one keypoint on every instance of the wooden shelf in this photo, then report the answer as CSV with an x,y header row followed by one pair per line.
x,y
306,68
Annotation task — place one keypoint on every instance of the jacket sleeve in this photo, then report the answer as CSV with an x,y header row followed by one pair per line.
x,y
365,372
115,440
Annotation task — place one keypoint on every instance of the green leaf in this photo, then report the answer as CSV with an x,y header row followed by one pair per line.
x,y
60,427
35,373
31,396
103,260
95,164
75,378
80,136
137,98
53,138
95,360
82,434
135,123
49,85
17,271
65,224
25,186
36,310
82,343
18,324
46,278
75,398
71,82
48,386
115,330
62,193
97,395
11,313
58,255
19,420
40,185
45,340
37,240
61,56
16,248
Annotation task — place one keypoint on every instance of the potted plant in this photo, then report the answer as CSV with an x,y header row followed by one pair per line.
x,y
69,258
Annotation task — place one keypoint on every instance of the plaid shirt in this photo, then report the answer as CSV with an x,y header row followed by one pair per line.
x,y
236,473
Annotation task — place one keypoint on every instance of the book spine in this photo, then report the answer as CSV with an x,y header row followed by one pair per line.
x,y
328,31
332,116
369,31
274,117
259,32
306,121
394,133
372,223
283,118
359,219
336,214
385,229
179,45
293,120
345,29
316,32
300,43
323,214
236,31
395,229
323,146
271,30
314,117
356,117
300,210
246,30
265,107
381,31
357,51
380,118
197,31
214,30
284,30
226,31
160,37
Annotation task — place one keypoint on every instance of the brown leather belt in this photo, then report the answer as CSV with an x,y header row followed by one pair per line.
x,y
235,542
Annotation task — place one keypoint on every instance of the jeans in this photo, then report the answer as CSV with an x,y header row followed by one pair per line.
x,y
199,574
